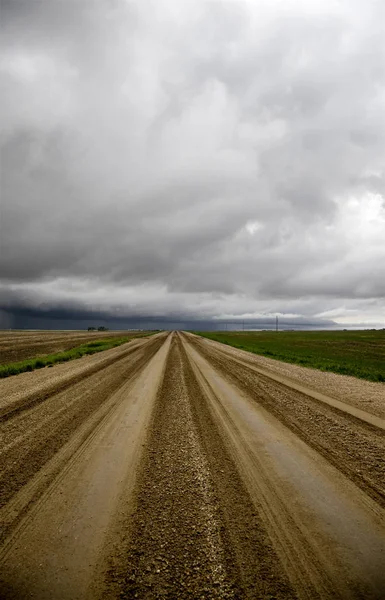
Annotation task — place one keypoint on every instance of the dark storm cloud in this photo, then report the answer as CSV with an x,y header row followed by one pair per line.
x,y
206,161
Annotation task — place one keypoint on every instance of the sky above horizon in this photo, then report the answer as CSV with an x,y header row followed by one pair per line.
x,y
193,160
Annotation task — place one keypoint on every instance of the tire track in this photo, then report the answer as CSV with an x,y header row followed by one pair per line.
x,y
177,472
343,407
55,549
353,446
330,537
33,437
192,531
29,400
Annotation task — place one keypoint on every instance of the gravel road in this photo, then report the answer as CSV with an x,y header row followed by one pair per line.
x,y
174,467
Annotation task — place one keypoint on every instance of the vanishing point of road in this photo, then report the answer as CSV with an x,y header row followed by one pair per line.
x,y
175,467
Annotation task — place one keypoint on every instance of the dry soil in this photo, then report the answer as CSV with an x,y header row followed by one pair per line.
x,y
174,467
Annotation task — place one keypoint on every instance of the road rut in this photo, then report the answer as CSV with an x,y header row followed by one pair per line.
x,y
176,471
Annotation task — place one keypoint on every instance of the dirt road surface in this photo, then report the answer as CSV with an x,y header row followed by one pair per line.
x,y
174,467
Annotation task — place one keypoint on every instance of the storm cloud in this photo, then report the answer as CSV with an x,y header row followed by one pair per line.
x,y
195,160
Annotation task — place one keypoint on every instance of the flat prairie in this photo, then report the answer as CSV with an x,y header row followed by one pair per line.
x,y
357,353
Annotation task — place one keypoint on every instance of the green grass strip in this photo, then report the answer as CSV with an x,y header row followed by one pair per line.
x,y
357,353
51,359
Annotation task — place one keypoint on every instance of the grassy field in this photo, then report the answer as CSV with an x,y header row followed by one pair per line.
x,y
357,353
50,359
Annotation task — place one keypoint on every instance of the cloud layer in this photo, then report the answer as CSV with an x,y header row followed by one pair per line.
x,y
216,159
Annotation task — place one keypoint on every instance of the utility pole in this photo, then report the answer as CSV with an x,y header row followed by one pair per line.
x,y
243,325
276,323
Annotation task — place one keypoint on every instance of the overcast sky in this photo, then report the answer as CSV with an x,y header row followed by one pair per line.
x,y
193,159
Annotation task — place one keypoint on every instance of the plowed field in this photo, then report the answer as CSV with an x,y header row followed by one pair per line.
x,y
21,345
175,467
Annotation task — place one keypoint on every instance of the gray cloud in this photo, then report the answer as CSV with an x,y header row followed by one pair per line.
x,y
211,160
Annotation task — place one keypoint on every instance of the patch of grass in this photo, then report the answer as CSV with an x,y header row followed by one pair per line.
x,y
52,359
357,353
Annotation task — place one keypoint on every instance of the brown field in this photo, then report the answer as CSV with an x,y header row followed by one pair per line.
x,y
21,345
176,467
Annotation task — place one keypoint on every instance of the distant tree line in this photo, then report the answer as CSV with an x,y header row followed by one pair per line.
x,y
101,328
